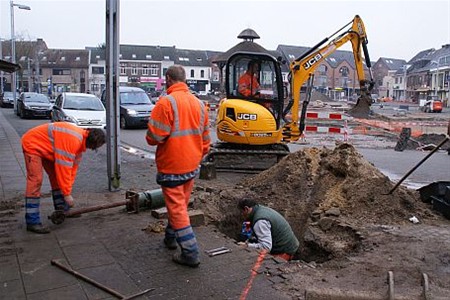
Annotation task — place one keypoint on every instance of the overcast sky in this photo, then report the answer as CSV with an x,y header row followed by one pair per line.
x,y
395,29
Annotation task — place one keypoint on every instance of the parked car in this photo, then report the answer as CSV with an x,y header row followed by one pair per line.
x,y
84,110
7,99
32,104
135,106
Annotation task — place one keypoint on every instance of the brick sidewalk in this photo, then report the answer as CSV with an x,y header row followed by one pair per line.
x,y
110,245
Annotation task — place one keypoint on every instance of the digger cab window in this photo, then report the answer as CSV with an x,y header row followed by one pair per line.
x,y
252,79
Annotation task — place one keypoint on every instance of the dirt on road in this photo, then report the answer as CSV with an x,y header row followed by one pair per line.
x,y
351,231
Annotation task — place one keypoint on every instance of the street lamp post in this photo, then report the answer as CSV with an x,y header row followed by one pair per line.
x,y
1,72
13,48
405,68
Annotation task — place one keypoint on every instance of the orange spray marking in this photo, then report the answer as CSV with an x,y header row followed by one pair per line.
x,y
253,275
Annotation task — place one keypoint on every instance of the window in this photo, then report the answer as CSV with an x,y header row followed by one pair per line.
x,y
77,58
63,58
98,70
192,74
95,87
134,70
322,69
123,69
62,72
145,70
202,73
166,57
133,55
148,56
154,70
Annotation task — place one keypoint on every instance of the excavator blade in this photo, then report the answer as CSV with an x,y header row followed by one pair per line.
x,y
227,157
362,107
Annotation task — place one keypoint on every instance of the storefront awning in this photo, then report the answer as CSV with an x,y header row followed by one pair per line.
x,y
8,67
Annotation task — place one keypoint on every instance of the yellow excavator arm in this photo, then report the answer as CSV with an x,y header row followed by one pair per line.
x,y
303,67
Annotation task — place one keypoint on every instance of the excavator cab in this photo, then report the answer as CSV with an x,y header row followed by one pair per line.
x,y
252,110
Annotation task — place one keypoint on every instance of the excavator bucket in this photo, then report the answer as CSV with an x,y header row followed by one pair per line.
x,y
362,107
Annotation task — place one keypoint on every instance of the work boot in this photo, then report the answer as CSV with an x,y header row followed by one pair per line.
x,y
189,255
179,258
38,228
171,244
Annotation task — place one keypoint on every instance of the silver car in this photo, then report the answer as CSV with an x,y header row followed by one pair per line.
x,y
84,110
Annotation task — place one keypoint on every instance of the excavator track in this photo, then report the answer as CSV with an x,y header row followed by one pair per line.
x,y
248,159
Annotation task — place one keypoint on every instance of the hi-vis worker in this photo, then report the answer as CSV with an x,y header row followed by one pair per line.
x,y
178,125
56,148
248,84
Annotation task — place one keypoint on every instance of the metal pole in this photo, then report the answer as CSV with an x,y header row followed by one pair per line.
x,y
13,57
1,72
112,93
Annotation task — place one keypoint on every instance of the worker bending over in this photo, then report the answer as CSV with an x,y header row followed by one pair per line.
x,y
57,148
273,233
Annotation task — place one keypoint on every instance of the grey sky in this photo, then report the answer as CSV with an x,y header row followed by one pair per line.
x,y
396,29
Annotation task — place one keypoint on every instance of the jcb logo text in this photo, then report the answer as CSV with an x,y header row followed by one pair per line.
x,y
251,117
312,61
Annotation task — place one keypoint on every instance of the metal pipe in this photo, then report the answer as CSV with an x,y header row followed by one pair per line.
x,y
97,284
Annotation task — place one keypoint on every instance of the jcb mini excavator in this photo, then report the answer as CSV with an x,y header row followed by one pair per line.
x,y
263,123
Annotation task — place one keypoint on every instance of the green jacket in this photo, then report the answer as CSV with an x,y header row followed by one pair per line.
x,y
283,238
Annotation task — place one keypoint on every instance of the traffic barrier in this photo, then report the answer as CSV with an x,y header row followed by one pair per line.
x,y
328,123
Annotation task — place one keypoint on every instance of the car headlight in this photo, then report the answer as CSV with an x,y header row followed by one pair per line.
x,y
70,119
131,112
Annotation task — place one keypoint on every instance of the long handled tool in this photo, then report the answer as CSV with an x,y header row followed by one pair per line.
x,y
97,284
422,161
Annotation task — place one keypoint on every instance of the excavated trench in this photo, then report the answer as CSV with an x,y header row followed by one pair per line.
x,y
328,196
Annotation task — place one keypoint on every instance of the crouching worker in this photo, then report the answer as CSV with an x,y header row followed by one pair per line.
x,y
56,148
271,230
178,126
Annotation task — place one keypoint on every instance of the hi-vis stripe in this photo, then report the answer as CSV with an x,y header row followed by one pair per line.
x,y
176,126
71,156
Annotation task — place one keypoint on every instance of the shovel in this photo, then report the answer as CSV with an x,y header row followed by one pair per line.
x,y
422,161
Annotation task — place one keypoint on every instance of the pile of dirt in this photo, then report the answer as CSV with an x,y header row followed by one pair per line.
x,y
328,196
428,139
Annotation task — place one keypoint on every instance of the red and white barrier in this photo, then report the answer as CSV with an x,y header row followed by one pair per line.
x,y
326,115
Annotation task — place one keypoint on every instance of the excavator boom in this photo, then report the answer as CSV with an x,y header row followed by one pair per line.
x,y
303,68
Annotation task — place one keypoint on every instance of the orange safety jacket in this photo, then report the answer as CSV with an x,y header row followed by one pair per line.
x,y
179,126
61,142
248,85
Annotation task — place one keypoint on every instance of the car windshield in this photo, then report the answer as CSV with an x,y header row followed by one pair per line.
x,y
36,98
134,98
8,95
83,103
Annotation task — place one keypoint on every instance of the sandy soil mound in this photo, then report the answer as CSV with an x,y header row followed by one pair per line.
x,y
327,195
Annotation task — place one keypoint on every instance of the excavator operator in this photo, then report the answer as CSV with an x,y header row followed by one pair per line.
x,y
248,84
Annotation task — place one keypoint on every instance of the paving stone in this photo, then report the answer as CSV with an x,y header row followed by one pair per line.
x,y
39,250
12,289
68,292
42,276
111,276
9,268
87,255
71,234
